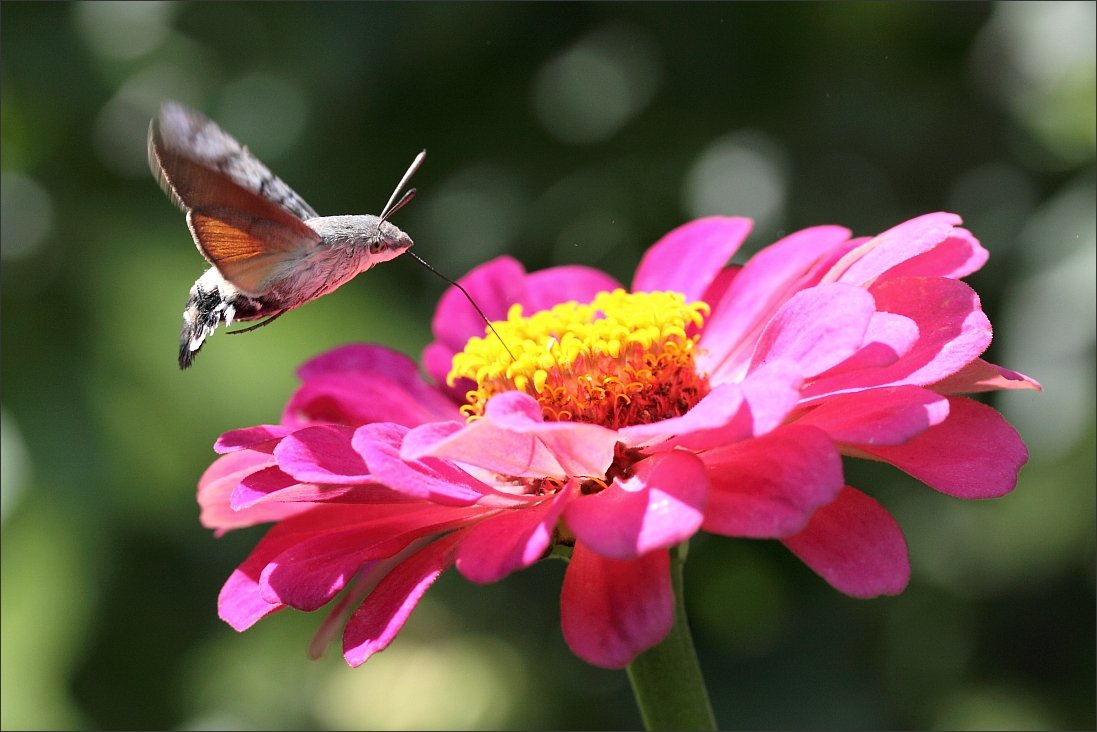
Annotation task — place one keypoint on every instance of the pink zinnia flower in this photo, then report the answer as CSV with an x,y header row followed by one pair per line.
x,y
616,424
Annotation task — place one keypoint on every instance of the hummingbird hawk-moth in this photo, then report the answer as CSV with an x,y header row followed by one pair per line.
x,y
269,250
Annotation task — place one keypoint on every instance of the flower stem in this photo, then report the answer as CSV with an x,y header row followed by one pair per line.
x,y
666,680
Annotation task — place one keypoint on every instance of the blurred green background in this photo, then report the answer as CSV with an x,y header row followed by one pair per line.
x,y
558,133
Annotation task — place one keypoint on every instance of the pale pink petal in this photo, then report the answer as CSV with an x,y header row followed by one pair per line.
x,y
263,438
770,277
579,448
957,256
953,331
484,445
322,454
510,540
377,621
716,419
311,572
896,245
729,413
220,480
425,478
611,610
886,416
768,487
889,337
550,287
799,333
855,545
980,375
688,259
974,453
660,505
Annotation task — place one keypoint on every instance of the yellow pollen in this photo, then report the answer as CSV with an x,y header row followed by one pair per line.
x,y
625,358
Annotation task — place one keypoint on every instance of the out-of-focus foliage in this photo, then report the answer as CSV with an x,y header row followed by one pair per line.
x,y
558,133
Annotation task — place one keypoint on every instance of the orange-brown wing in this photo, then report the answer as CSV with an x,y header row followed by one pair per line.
x,y
249,250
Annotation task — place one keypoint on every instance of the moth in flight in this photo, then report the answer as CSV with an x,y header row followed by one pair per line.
x,y
269,250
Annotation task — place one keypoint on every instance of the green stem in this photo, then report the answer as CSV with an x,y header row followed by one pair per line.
x,y
666,680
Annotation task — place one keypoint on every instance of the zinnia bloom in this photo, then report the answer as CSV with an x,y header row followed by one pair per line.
x,y
609,425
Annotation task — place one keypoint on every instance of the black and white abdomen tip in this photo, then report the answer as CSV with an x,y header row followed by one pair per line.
x,y
211,301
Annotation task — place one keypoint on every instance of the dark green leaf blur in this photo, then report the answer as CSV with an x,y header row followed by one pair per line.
x,y
557,133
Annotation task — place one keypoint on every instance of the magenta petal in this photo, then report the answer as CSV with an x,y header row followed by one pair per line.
x,y
354,398
769,487
311,572
377,621
550,287
801,334
483,445
952,332
271,485
688,259
896,245
611,610
427,478
660,505
980,375
261,439
494,285
855,545
766,281
510,540
887,416
241,603
974,453
322,454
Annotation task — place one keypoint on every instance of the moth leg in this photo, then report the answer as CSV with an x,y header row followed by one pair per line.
x,y
250,328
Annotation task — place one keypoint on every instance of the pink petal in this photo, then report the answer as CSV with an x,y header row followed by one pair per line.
x,y
957,256
974,453
426,478
354,398
729,413
688,259
889,337
817,328
855,545
322,454
953,331
311,572
437,361
240,603
261,439
550,287
510,540
980,375
660,505
377,621
216,487
769,487
494,285
580,449
770,277
611,610
887,416
896,245
271,485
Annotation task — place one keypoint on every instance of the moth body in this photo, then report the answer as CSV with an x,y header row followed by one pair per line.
x,y
269,249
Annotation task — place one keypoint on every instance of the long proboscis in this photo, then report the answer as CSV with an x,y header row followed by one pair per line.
x,y
468,297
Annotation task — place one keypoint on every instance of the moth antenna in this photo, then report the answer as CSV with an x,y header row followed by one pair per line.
x,y
468,297
389,209
404,200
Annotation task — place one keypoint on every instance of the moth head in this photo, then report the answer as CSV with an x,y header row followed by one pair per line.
x,y
390,242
